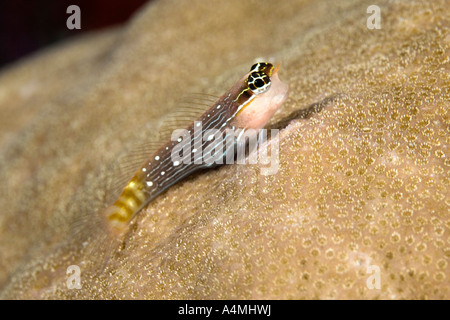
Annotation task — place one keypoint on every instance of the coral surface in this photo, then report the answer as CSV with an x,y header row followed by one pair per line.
x,y
362,186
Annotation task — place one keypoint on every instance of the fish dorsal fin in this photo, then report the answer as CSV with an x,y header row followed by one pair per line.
x,y
150,138
190,109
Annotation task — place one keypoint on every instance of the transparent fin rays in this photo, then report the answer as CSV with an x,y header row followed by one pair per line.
x,y
132,157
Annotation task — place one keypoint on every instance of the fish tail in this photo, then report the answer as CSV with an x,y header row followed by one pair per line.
x,y
126,206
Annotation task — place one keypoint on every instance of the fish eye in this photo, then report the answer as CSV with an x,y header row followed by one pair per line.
x,y
258,82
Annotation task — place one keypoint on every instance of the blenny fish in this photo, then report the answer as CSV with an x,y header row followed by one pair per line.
x,y
249,104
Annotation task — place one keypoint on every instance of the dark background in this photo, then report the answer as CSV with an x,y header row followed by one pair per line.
x,y
28,25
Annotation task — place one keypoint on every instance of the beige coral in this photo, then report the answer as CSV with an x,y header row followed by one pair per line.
x,y
361,183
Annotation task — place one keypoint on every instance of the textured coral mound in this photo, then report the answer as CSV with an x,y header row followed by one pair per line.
x,y
363,183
